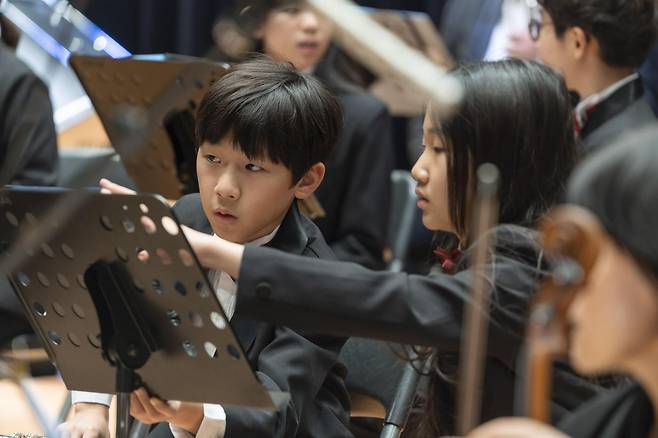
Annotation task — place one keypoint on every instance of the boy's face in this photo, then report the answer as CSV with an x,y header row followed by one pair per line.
x,y
297,34
243,199
555,51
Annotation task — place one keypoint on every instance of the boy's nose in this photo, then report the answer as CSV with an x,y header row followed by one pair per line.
x,y
309,21
227,188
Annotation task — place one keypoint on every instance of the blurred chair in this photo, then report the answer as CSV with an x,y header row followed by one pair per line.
x,y
401,219
83,167
381,382
18,361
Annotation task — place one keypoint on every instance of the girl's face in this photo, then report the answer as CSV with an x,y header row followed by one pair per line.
x,y
297,34
431,175
614,318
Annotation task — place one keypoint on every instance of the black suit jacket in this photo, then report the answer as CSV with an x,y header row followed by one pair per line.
x,y
625,111
346,299
28,143
305,365
625,413
356,189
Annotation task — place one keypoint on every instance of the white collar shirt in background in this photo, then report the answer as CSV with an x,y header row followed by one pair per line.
x,y
515,17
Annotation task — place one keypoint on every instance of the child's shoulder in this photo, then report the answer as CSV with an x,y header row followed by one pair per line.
x,y
189,212
316,245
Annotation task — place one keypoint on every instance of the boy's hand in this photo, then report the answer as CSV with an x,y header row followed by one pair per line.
x,y
515,428
150,410
90,420
108,187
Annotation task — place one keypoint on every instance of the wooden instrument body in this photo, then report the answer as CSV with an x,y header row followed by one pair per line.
x,y
571,237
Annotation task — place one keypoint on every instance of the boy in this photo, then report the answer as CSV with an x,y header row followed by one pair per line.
x,y
263,131
598,45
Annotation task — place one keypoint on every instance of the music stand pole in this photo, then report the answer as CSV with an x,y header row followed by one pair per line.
x,y
126,340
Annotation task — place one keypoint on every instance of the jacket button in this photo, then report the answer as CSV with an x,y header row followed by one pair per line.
x,y
263,290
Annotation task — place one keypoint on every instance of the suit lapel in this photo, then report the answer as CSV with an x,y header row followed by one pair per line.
x,y
613,105
291,238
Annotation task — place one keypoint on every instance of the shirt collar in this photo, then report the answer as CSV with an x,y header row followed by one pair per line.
x,y
261,240
591,101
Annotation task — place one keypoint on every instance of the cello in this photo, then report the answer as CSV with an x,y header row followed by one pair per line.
x,y
570,236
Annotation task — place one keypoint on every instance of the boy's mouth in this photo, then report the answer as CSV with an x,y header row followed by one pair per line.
x,y
225,216
308,47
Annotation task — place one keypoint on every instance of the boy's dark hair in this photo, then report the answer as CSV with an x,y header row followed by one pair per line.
x,y
271,111
624,29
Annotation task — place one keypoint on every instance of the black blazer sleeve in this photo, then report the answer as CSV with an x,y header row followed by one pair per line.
x,y
28,143
347,299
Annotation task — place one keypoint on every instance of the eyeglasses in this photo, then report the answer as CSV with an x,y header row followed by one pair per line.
x,y
534,28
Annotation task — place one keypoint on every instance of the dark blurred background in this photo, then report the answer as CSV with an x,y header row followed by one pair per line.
x,y
158,26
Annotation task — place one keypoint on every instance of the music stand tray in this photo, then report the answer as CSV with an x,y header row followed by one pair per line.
x,y
53,245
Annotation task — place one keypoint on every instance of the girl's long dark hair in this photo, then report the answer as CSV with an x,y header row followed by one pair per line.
x,y
517,115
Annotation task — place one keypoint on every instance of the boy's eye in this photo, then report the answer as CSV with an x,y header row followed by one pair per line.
x,y
253,168
212,158
291,9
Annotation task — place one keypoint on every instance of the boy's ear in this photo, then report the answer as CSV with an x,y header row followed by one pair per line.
x,y
579,44
310,181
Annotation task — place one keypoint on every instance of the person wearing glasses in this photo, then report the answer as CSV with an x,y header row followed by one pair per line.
x,y
598,45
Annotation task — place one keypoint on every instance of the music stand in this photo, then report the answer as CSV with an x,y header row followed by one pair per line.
x,y
110,320
152,100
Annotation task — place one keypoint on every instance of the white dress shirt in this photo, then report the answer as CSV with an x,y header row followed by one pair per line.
x,y
514,19
214,416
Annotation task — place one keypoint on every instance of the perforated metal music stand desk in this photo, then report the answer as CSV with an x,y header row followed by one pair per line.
x,y
72,258
152,99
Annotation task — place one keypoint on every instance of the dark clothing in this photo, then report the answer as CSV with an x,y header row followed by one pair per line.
x,y
625,413
346,299
28,143
649,73
356,189
467,26
28,155
306,365
625,111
